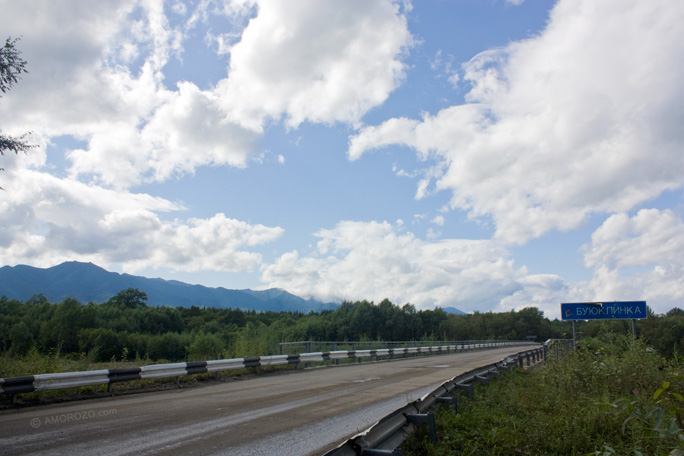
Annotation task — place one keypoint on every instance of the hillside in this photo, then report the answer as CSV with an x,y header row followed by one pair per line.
x,y
87,282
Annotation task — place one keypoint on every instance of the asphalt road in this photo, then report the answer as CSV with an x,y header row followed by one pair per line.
x,y
299,412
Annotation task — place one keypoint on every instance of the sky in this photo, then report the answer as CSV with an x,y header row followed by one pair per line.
x,y
488,155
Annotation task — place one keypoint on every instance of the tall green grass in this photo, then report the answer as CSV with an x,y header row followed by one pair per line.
x,y
611,397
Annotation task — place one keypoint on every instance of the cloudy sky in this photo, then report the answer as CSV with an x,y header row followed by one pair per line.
x,y
482,154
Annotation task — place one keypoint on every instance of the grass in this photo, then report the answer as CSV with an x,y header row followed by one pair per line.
x,y
611,397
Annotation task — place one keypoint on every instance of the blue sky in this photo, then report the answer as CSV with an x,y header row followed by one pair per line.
x,y
488,155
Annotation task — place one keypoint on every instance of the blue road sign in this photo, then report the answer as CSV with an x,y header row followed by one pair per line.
x,y
625,310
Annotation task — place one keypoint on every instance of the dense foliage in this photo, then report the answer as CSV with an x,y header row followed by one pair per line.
x,y
125,328
613,396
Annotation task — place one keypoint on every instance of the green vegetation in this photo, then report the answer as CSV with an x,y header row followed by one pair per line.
x,y
125,329
613,396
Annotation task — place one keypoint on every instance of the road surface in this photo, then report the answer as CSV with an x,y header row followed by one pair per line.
x,y
303,412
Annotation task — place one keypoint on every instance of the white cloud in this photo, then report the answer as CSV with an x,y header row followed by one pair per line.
x,y
315,61
218,244
545,292
651,243
97,75
393,131
179,8
661,287
583,118
357,260
101,78
648,238
47,220
98,79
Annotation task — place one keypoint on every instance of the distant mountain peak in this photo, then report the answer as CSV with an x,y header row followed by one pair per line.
x,y
77,264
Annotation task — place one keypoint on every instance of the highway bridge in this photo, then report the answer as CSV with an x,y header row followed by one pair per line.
x,y
297,412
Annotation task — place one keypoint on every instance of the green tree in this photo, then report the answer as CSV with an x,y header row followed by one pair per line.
x,y
169,346
205,347
11,68
414,325
131,298
60,332
22,339
107,344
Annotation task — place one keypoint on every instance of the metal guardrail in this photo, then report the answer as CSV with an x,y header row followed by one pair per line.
x,y
384,437
45,382
559,348
308,346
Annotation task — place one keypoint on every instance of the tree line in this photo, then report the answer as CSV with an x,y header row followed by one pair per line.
x,y
124,328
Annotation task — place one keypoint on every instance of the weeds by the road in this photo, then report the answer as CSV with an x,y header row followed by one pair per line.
x,y
611,397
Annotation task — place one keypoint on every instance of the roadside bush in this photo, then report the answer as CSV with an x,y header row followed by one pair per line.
x,y
611,397
205,347
168,347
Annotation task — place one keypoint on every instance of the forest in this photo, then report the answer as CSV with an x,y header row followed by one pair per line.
x,y
125,329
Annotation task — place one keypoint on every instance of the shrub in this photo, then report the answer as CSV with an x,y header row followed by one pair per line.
x,y
611,397
205,347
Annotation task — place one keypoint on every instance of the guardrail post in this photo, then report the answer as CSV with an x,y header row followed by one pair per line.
x,y
465,387
481,379
451,400
425,418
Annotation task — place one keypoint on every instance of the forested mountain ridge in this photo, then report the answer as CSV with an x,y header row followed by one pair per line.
x,y
86,282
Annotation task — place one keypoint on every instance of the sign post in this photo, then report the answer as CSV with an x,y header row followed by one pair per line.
x,y
617,310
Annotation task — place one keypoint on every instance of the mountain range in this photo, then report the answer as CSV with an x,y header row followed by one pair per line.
x,y
87,282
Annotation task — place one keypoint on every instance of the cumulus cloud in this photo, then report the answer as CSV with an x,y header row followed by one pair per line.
x,y
638,258
187,132
101,79
108,90
650,237
583,118
98,75
439,220
545,292
315,61
661,286
47,220
373,260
